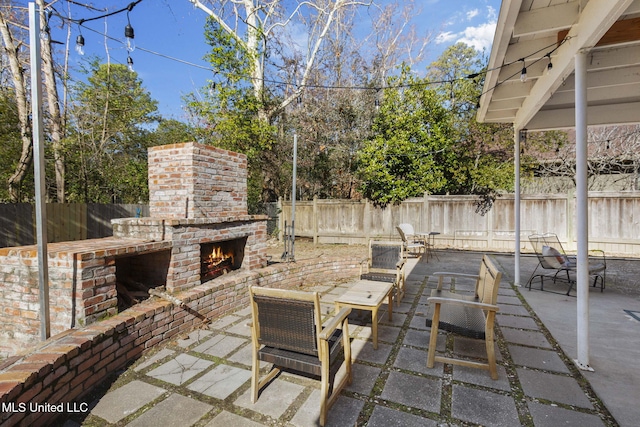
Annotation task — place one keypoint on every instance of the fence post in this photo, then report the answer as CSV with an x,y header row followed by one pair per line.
x,y
315,220
571,211
366,221
490,228
425,213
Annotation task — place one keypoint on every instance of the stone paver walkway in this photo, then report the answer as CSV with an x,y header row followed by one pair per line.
x,y
203,379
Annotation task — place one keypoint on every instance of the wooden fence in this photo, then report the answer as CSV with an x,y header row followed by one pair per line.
x,y
614,220
65,221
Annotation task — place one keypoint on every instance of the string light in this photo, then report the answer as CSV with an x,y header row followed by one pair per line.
x,y
555,45
128,32
80,44
130,35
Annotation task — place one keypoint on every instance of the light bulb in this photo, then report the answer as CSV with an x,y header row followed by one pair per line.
x,y
523,75
80,44
130,64
129,35
549,67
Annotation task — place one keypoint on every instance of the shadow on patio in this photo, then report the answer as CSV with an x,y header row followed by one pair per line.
x,y
204,379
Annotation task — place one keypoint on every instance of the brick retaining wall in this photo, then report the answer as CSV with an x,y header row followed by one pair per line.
x,y
66,367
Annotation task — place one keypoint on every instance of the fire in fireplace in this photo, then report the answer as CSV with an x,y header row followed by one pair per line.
x,y
220,258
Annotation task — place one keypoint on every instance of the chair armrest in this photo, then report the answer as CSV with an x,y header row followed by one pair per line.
x,y
333,323
451,301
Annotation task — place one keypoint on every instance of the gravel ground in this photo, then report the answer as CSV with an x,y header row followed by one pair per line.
x,y
305,249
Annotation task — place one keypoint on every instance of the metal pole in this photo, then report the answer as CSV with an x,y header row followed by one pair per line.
x,y
293,194
39,170
582,226
519,136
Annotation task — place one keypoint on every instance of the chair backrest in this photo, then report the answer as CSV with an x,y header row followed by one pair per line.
x,y
488,285
286,319
385,255
549,250
402,235
407,229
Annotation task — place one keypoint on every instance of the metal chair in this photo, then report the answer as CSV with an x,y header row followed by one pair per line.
x,y
467,315
287,331
556,265
385,264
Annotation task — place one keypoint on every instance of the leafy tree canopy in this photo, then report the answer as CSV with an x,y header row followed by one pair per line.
x,y
428,141
413,136
111,118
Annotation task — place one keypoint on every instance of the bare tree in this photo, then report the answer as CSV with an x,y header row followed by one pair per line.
x,y
613,161
56,125
14,37
13,46
252,22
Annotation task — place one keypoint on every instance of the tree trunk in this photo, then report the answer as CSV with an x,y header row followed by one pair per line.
x,y
17,75
53,102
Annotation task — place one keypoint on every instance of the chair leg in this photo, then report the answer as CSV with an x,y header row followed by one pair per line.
x,y
433,336
324,392
346,346
255,373
489,343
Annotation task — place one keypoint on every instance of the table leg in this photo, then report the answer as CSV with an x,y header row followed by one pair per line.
x,y
391,304
374,326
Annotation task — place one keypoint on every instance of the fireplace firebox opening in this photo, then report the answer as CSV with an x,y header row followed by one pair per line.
x,y
136,274
220,258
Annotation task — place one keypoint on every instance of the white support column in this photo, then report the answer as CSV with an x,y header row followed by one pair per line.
x,y
582,226
517,136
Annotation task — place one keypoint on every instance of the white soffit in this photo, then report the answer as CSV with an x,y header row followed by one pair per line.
x,y
534,30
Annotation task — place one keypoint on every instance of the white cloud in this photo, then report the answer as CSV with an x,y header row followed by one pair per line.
x,y
472,14
446,37
491,14
479,37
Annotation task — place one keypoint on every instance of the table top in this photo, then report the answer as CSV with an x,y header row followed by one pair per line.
x,y
430,233
366,292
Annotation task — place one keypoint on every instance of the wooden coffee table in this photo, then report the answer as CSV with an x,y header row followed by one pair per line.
x,y
368,295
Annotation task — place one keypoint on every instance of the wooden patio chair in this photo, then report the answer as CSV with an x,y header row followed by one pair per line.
x,y
412,243
466,315
385,263
287,331
555,264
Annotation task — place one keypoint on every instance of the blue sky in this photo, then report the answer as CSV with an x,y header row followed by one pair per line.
x,y
170,44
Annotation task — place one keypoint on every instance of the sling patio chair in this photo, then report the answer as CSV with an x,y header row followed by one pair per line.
x,y
555,264
287,331
412,243
385,263
466,314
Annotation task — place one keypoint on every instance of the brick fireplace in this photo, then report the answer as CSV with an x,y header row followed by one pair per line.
x,y
198,201
198,206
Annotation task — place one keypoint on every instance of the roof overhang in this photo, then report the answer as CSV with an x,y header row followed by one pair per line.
x,y
543,31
